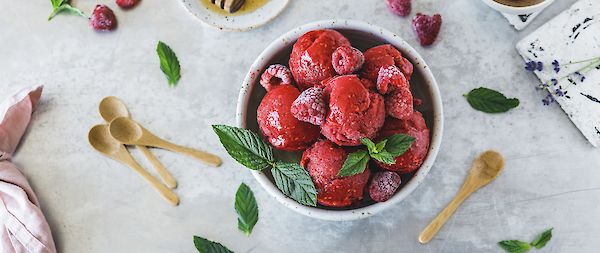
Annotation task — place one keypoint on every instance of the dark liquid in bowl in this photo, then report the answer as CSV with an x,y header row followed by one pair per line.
x,y
362,41
519,3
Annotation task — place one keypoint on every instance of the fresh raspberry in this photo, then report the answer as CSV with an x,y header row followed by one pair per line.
x,y
127,4
347,60
390,78
427,28
103,18
310,106
399,7
275,75
383,185
399,103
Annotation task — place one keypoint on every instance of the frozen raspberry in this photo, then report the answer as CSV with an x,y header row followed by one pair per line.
x,y
427,28
383,185
275,75
417,102
399,7
367,83
127,4
405,66
103,18
390,78
399,103
310,106
347,60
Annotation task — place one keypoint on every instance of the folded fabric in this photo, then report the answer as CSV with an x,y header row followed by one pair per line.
x,y
24,228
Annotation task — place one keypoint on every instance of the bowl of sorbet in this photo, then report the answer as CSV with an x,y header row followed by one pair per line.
x,y
321,149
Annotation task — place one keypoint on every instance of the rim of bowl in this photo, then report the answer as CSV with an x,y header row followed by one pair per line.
x,y
517,10
286,40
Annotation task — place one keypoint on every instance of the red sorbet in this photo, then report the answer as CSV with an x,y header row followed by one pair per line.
x,y
414,126
277,123
354,111
383,56
310,61
323,161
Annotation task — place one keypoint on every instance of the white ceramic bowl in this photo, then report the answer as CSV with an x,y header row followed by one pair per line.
x,y
241,22
517,10
362,36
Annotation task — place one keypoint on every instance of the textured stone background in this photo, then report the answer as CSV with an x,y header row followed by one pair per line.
x,y
93,204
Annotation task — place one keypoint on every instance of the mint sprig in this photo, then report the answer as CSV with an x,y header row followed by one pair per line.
x,y
59,6
295,182
246,208
247,148
384,151
542,239
514,246
169,64
207,246
490,101
517,246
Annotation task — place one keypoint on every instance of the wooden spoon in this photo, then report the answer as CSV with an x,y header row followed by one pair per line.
x,y
99,137
484,170
111,108
127,131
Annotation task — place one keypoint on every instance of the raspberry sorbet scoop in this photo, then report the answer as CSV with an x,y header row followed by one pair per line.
x,y
354,111
278,125
323,161
414,126
310,61
384,56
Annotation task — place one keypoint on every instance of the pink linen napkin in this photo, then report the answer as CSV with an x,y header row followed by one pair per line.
x,y
24,228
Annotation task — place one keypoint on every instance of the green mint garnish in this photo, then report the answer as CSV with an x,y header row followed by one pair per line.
x,y
245,146
169,64
385,151
542,239
490,101
206,246
295,182
514,246
59,6
249,149
355,163
246,208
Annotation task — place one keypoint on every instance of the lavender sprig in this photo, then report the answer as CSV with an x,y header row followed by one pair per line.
x,y
552,86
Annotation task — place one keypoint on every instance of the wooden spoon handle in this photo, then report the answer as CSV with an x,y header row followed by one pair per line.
x,y
436,224
169,195
164,174
202,156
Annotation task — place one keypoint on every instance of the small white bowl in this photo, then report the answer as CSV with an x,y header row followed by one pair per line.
x,y
362,35
242,22
517,10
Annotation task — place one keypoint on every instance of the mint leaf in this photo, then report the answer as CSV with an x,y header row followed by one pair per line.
x,y
245,146
380,146
169,64
295,182
514,246
370,145
384,157
542,239
397,144
355,163
490,101
246,208
206,246
59,6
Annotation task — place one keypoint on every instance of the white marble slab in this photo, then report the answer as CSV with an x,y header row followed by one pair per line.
x,y
95,205
571,37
